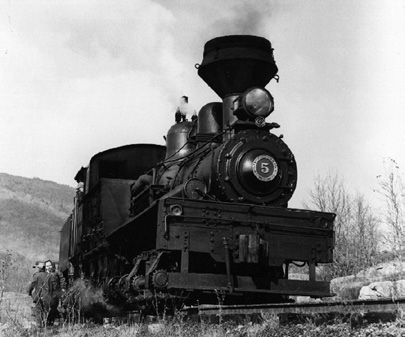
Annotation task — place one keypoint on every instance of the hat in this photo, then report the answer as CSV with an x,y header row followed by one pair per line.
x,y
38,265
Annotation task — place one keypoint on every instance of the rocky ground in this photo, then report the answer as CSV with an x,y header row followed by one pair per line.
x,y
385,280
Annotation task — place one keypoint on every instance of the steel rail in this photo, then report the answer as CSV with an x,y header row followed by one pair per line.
x,y
344,307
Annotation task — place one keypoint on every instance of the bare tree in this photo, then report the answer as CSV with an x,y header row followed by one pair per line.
x,y
365,235
356,238
392,189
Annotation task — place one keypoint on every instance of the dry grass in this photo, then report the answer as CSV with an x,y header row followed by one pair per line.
x,y
15,312
16,320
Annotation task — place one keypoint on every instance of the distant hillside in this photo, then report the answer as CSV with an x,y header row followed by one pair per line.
x,y
32,212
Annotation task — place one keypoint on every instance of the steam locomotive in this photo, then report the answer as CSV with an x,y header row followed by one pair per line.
x,y
206,213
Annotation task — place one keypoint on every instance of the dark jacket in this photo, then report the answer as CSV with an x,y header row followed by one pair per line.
x,y
39,287
56,283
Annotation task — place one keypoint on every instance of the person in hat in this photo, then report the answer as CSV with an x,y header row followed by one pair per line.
x,y
36,290
46,288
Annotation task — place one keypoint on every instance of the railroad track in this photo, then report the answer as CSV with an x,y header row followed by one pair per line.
x,y
358,310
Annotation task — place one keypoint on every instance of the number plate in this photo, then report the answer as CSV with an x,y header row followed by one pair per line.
x,y
265,168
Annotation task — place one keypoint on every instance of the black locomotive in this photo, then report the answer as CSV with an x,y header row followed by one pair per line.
x,y
208,212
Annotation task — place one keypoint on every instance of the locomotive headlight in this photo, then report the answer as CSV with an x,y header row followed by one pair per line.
x,y
257,102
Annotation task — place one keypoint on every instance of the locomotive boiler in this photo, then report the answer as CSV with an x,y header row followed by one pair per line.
x,y
208,212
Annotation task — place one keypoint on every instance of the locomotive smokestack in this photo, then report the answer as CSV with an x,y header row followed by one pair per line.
x,y
232,64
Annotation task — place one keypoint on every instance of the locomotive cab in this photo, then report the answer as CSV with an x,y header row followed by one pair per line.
x,y
102,203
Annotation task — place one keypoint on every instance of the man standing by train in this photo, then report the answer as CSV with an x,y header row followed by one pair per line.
x,y
38,290
55,287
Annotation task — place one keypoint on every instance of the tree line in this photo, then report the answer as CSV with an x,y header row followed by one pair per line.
x,y
361,231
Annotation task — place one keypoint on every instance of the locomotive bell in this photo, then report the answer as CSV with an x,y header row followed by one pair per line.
x,y
232,64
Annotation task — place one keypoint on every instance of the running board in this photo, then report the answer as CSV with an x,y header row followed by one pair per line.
x,y
191,281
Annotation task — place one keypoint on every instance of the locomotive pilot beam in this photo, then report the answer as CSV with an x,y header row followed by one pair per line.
x,y
208,212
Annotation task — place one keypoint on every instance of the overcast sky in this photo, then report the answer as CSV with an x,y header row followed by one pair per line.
x,y
78,77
